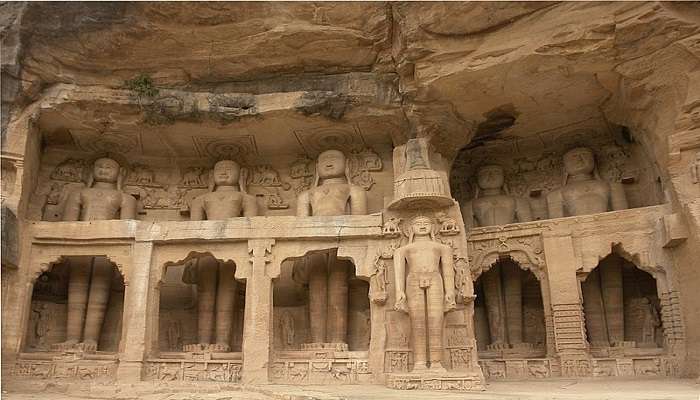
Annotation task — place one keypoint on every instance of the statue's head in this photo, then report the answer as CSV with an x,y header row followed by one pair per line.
x,y
421,226
579,161
105,170
331,164
490,177
226,173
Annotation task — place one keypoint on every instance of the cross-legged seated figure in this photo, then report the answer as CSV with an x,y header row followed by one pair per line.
x,y
492,205
332,194
582,191
90,279
216,286
425,289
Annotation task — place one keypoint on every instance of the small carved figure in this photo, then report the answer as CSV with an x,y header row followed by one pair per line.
x,y
391,227
54,196
91,278
287,323
193,177
695,168
141,175
582,191
276,202
492,204
448,225
377,289
42,324
651,322
425,287
70,170
174,335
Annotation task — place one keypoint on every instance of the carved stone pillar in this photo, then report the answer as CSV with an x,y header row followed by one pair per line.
x,y
257,327
567,312
136,306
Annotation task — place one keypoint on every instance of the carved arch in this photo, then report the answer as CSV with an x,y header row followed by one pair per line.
x,y
180,254
525,251
637,256
46,262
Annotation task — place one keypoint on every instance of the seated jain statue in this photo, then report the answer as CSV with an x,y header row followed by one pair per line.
x,y
492,205
425,288
582,191
327,277
91,277
216,286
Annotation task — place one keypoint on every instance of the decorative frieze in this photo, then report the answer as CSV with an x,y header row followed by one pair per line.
x,y
79,369
320,371
190,370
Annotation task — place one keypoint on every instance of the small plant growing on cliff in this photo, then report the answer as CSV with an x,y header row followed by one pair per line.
x,y
142,85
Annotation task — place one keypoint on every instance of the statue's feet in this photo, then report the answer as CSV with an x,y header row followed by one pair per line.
x,y
219,348
194,347
496,346
65,346
206,348
88,346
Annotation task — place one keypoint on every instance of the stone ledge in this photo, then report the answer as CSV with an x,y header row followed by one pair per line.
x,y
278,227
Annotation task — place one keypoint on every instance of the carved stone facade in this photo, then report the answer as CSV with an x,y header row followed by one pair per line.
x,y
353,217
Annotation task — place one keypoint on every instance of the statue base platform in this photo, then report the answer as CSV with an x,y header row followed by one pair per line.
x,y
324,346
448,380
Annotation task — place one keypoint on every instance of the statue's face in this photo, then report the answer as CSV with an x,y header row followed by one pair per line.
x,y
579,161
331,164
105,170
422,226
226,173
490,177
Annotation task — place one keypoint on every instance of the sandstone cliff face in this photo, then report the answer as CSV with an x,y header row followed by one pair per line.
x,y
454,71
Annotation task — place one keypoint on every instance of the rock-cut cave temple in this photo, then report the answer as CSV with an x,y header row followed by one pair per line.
x,y
417,195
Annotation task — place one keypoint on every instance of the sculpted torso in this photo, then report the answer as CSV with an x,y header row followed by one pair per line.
x,y
329,199
332,194
586,197
222,205
226,200
103,199
100,204
423,257
494,210
493,206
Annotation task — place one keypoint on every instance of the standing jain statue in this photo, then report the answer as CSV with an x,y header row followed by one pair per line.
x,y
332,194
492,204
425,288
91,277
582,191
216,286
